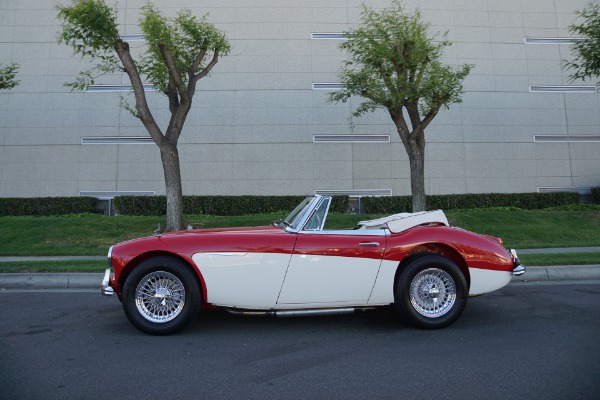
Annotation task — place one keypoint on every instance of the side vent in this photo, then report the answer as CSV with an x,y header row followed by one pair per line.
x,y
109,195
116,140
328,86
552,189
133,37
102,88
551,40
328,36
566,138
351,138
562,89
354,192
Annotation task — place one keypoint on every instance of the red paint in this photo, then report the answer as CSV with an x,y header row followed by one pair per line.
x,y
477,251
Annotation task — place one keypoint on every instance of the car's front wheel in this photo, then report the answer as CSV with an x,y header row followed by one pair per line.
x,y
431,292
161,296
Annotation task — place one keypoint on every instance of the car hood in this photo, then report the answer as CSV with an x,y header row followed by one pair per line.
x,y
244,230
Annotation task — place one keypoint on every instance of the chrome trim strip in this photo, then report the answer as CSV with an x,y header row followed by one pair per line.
x,y
227,254
105,289
350,232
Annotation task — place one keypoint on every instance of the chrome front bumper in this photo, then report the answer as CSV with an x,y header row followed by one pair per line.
x,y
519,269
106,289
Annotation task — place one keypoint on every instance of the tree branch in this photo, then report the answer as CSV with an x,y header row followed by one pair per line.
x,y
173,72
197,61
195,78
207,69
141,104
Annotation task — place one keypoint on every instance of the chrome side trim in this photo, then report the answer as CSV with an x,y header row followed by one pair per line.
x,y
311,312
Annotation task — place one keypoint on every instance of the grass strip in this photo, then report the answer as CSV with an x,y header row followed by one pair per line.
x,y
560,259
92,235
52,266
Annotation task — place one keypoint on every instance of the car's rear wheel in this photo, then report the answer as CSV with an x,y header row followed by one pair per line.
x,y
161,296
431,292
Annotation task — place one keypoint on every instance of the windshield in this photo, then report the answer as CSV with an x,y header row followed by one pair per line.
x,y
295,217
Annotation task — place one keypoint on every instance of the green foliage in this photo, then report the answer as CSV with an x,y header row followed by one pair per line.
x,y
528,201
394,59
90,28
46,206
219,205
586,64
596,195
185,37
7,76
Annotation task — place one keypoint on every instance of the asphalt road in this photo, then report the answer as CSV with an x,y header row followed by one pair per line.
x,y
526,341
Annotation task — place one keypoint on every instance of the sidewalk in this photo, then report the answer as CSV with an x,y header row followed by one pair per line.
x,y
93,280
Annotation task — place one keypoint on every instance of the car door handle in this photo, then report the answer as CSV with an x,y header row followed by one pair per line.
x,y
369,244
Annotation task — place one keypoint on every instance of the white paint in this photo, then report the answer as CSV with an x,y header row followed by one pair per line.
x,y
383,291
264,280
487,280
328,279
246,280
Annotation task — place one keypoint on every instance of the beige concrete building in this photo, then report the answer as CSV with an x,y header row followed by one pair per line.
x,y
261,124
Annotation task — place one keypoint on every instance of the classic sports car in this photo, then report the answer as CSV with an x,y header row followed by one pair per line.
x,y
416,262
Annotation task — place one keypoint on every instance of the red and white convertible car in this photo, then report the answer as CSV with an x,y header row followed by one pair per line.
x,y
416,262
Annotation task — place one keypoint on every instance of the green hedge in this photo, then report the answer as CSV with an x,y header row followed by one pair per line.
x,y
596,195
529,201
10,206
218,205
244,205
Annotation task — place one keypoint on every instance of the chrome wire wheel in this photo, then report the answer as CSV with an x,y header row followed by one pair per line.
x,y
432,292
160,296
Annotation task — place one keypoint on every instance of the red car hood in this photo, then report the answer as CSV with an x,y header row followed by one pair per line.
x,y
244,230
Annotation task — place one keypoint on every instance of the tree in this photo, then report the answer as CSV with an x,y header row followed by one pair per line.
x,y
179,52
395,64
587,52
7,76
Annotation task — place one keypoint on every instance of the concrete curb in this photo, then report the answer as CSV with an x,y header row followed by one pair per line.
x,y
560,273
93,280
51,281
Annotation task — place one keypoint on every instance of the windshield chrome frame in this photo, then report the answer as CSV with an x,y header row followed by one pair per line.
x,y
307,213
310,209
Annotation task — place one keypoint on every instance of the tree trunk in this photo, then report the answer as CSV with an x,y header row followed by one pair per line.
x,y
414,144
416,157
170,162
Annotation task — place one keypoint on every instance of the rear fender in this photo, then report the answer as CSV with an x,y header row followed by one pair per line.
x,y
438,249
